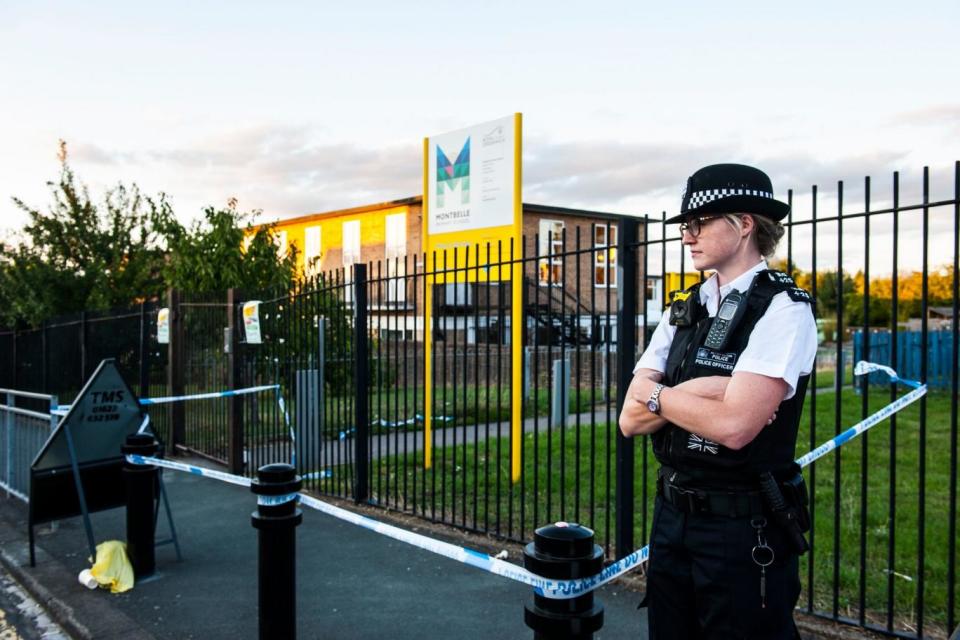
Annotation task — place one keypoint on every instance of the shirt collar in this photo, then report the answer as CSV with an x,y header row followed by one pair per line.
x,y
710,297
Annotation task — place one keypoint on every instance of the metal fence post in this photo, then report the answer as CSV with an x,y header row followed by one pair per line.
x,y
276,519
626,351
361,381
234,374
8,436
144,353
13,361
83,346
560,407
44,386
175,368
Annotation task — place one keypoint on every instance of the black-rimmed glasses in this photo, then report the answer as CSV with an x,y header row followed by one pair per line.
x,y
693,225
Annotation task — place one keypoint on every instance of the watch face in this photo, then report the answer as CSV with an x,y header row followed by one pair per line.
x,y
653,406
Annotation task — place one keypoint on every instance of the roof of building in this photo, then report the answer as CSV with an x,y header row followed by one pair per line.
x,y
416,200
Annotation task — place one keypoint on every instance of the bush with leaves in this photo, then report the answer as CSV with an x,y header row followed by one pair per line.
x,y
82,255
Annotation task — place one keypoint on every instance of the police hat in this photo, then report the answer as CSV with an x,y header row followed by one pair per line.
x,y
730,188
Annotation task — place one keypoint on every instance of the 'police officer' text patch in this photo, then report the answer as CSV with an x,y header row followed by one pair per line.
x,y
715,360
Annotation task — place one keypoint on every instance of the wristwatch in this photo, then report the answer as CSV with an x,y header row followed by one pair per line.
x,y
653,403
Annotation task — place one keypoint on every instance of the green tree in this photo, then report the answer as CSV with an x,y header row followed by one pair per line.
x,y
79,254
827,285
225,250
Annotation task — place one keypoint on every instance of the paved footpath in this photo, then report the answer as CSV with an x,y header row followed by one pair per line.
x,y
352,583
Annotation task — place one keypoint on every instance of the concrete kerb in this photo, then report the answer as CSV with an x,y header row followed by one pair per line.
x,y
52,584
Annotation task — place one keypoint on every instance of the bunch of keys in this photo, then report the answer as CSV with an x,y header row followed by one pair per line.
x,y
762,555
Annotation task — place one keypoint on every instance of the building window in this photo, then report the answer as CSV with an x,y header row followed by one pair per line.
x,y
311,250
351,243
604,255
280,239
351,255
394,252
550,252
653,289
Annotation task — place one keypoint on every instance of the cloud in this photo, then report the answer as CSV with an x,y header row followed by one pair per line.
x,y
291,170
933,116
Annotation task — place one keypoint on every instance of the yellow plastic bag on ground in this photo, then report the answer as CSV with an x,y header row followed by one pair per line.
x,y
112,568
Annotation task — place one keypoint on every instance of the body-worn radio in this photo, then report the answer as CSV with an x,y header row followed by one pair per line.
x,y
728,316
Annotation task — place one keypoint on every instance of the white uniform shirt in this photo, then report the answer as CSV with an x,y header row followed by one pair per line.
x,y
783,343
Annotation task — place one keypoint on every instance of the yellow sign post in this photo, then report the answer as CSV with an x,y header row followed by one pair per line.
x,y
472,183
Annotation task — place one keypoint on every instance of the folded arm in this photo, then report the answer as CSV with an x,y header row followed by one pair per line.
x,y
636,419
733,418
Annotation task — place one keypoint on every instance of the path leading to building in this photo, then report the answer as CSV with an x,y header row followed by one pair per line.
x,y
352,583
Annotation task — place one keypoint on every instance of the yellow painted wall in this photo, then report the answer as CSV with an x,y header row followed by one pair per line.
x,y
672,281
372,234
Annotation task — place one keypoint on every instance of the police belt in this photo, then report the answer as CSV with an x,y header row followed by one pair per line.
x,y
733,504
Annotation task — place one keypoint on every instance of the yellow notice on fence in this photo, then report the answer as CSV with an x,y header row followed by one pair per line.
x,y
251,322
163,326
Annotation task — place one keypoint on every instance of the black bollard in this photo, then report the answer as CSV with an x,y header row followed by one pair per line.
x,y
276,519
563,551
141,490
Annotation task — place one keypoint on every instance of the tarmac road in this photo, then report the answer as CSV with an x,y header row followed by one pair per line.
x,y
21,616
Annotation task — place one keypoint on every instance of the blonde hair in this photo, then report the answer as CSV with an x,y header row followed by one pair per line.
x,y
767,232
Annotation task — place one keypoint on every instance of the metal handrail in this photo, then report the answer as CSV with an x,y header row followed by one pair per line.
x,y
25,412
27,394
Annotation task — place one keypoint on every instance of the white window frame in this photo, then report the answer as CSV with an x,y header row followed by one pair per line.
x,y
394,251
605,255
549,250
312,250
350,246
280,239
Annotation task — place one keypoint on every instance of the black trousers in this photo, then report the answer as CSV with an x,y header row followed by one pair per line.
x,y
703,583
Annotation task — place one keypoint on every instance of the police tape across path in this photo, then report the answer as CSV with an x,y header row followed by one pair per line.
x,y
63,408
547,587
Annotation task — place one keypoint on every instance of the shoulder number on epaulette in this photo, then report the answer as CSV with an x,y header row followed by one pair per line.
x,y
799,295
781,278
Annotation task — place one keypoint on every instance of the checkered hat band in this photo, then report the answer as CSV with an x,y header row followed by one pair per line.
x,y
700,198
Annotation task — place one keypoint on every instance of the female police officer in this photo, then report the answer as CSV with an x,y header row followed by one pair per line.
x,y
720,388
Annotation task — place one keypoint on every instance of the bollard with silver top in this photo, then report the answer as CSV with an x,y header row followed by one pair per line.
x,y
276,519
563,551
141,490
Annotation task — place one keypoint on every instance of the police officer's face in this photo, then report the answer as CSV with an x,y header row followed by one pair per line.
x,y
712,240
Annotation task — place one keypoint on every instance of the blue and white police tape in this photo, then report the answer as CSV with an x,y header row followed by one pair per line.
x,y
273,501
207,396
63,408
549,588
189,468
864,368
388,424
555,589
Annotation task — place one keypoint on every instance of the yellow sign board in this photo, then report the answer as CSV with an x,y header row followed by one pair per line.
x,y
472,216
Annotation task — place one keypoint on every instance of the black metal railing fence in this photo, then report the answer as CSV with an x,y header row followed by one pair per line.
x,y
347,349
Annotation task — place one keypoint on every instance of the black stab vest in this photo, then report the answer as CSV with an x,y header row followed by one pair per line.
x,y
704,461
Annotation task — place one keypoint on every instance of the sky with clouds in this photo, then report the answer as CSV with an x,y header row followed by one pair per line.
x,y
301,107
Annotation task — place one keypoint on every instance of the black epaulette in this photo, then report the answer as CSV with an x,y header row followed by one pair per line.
x,y
770,282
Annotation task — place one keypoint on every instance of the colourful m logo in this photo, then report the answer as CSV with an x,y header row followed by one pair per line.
x,y
453,175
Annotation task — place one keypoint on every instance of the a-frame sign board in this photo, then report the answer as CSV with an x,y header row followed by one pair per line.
x,y
79,469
